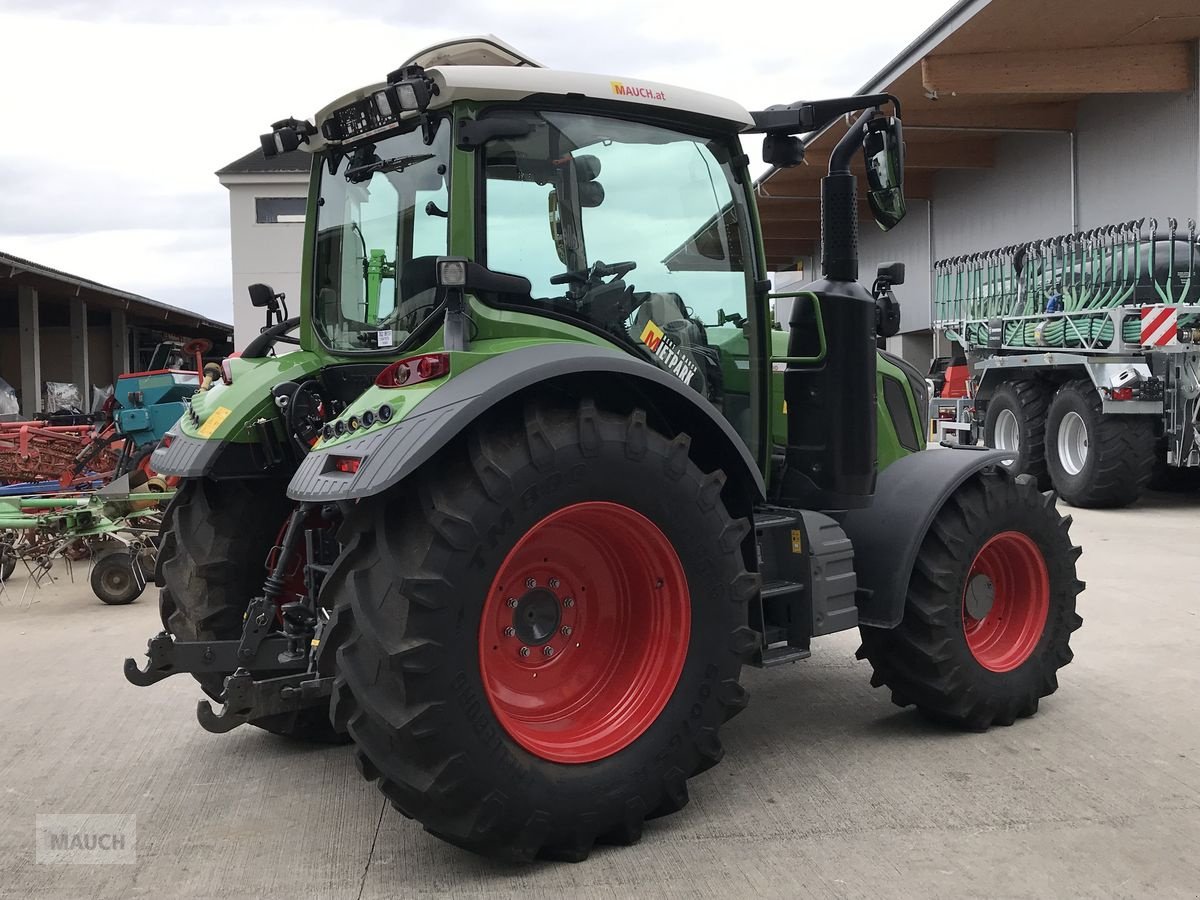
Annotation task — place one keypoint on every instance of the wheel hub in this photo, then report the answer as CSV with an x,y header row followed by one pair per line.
x,y
1073,443
980,595
1006,601
584,632
536,617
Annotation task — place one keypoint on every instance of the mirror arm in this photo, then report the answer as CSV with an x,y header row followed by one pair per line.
x,y
802,117
843,153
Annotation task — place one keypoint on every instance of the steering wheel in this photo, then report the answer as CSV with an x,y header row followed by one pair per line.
x,y
593,275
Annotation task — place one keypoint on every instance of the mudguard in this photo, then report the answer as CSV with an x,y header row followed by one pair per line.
x,y
887,535
389,456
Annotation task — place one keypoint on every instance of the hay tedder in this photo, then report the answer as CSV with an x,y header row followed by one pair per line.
x,y
87,491
540,477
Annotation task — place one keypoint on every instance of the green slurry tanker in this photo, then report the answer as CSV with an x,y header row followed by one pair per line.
x,y
538,478
1084,356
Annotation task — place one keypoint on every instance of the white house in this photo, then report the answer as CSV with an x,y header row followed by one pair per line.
x,y
266,223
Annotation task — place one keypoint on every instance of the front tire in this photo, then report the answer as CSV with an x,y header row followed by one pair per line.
x,y
445,584
1097,460
1016,421
990,608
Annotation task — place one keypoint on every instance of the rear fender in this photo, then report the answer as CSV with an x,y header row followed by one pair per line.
x,y
389,456
887,535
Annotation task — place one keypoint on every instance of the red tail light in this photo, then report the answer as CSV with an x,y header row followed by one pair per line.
x,y
1122,393
347,464
414,370
226,371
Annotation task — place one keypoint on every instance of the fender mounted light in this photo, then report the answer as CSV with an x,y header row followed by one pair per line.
x,y
414,370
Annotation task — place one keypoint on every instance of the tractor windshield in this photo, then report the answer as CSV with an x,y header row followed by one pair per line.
x,y
381,223
631,229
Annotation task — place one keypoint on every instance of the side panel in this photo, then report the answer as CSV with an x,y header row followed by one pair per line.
x,y
388,456
888,534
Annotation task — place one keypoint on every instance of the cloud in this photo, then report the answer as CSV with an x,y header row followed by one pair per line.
x,y
117,113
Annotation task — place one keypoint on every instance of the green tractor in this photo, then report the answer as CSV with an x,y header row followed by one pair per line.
x,y
541,477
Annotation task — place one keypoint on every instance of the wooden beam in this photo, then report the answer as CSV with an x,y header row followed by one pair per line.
x,y
1002,117
803,184
1146,68
792,231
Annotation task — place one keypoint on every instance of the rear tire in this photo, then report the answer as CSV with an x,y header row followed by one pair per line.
x,y
990,608
1096,460
114,579
429,679
211,562
1016,420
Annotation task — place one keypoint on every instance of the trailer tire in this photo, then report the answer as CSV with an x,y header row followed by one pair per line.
x,y
999,542
1017,412
214,542
1096,460
1170,478
433,685
8,554
114,580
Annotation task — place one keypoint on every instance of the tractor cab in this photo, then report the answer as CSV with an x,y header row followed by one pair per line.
x,y
626,212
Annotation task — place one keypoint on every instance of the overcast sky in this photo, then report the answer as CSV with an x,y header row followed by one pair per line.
x,y
117,112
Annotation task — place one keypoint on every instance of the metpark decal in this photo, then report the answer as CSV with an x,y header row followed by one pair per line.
x,y
668,354
629,90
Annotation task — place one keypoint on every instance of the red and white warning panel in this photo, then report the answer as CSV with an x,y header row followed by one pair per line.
x,y
1160,326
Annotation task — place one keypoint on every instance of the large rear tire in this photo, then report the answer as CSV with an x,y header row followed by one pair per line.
x,y
1096,460
990,608
541,634
214,545
1016,421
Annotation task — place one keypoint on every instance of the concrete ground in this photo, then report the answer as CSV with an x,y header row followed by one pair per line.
x,y
826,790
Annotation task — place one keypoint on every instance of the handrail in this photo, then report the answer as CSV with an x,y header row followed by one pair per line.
x,y
804,360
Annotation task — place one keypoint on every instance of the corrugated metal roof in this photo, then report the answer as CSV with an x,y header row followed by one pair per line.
x,y
16,265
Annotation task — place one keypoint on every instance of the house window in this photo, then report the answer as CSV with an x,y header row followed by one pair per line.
x,y
279,210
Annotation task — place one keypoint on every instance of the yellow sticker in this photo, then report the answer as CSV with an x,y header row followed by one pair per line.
x,y
797,542
220,414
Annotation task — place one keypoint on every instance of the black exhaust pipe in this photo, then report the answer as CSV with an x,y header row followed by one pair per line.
x,y
832,426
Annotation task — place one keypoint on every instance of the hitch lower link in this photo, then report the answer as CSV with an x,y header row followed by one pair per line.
x,y
288,655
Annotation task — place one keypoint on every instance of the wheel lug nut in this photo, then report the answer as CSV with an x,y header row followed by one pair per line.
x,y
566,630
568,602
553,582
524,651
530,582
512,602
547,650
509,631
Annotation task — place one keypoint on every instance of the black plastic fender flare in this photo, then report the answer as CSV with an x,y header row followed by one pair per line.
x,y
887,535
392,454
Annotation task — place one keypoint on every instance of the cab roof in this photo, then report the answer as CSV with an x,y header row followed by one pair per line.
x,y
486,69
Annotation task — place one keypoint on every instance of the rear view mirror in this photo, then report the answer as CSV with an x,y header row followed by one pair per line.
x,y
883,153
556,226
262,295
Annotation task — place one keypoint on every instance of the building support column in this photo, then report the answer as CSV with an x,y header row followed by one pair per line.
x,y
81,371
31,350
120,344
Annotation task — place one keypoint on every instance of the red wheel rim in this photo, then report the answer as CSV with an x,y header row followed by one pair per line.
x,y
1006,600
600,586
